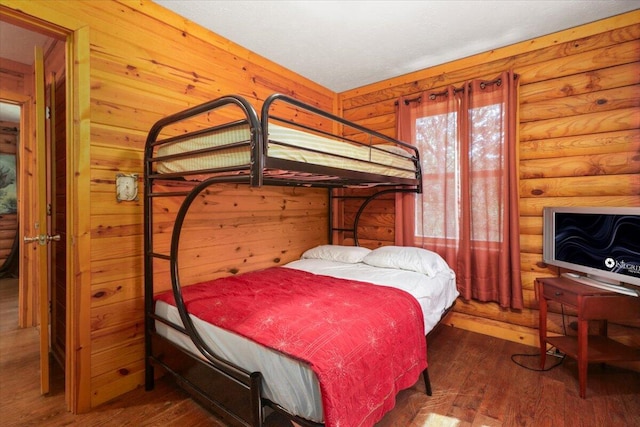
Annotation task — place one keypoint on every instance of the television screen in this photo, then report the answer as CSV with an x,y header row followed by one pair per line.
x,y
605,242
602,243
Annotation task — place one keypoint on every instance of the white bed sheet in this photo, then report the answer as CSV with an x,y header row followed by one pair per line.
x,y
325,150
291,383
435,294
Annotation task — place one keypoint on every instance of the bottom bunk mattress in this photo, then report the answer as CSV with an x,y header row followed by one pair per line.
x,y
288,378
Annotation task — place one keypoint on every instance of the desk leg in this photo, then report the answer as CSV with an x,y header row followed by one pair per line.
x,y
542,329
583,336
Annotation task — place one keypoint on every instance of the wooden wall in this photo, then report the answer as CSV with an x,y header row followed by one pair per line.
x,y
579,140
55,90
146,67
145,63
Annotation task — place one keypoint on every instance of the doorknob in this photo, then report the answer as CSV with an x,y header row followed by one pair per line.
x,y
42,239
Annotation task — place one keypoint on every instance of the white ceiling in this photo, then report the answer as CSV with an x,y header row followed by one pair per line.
x,y
346,44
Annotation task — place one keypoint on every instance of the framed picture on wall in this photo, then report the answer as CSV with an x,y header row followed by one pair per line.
x,y
8,195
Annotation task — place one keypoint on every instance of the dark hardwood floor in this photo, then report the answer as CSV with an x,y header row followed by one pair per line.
x,y
475,383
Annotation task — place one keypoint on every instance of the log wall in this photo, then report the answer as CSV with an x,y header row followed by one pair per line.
x,y
144,63
579,141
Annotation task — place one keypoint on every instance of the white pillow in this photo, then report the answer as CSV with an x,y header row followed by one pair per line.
x,y
346,254
407,258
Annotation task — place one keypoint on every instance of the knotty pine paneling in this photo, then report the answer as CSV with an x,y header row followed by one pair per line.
x,y
578,84
377,222
584,124
145,63
606,164
579,139
586,144
15,77
603,100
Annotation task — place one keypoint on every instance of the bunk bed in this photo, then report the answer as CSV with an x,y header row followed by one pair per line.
x,y
224,360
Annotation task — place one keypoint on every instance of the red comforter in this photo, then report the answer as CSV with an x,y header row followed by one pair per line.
x,y
363,341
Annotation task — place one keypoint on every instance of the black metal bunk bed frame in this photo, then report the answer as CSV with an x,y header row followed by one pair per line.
x,y
205,378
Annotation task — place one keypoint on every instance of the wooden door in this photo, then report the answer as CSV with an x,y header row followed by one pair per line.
x,y
39,236
40,227
56,173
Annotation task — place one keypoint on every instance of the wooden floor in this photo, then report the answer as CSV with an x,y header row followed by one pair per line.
x,y
475,383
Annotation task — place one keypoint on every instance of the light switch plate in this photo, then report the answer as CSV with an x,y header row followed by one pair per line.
x,y
126,187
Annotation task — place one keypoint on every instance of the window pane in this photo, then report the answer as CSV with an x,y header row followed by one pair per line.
x,y
486,172
436,139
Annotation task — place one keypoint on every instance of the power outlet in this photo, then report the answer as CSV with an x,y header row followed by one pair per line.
x,y
555,353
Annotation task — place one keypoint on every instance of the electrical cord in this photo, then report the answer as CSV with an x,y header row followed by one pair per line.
x,y
550,352
561,359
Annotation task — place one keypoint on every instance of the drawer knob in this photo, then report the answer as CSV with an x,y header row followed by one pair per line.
x,y
558,293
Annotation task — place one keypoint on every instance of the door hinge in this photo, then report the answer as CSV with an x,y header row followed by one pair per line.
x,y
49,209
47,112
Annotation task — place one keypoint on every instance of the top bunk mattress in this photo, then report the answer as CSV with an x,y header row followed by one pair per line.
x,y
229,149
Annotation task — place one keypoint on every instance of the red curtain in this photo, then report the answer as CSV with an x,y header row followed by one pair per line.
x,y
468,212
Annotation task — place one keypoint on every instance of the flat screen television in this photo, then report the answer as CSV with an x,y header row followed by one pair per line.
x,y
600,246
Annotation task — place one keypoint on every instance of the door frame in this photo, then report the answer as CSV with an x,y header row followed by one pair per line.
x,y
78,316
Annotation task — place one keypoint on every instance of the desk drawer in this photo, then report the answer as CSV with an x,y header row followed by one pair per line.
x,y
560,295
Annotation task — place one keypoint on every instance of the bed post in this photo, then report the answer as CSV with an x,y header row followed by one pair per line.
x,y
149,374
331,200
427,382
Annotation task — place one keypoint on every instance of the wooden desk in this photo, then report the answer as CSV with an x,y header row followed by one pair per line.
x,y
591,304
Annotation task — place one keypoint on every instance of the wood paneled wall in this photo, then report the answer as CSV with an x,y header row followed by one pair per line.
x,y
151,64
145,63
579,140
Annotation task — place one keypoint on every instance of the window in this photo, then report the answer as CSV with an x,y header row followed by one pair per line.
x,y
466,139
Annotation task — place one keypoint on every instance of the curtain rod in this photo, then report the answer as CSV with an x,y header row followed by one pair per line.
x,y
433,95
